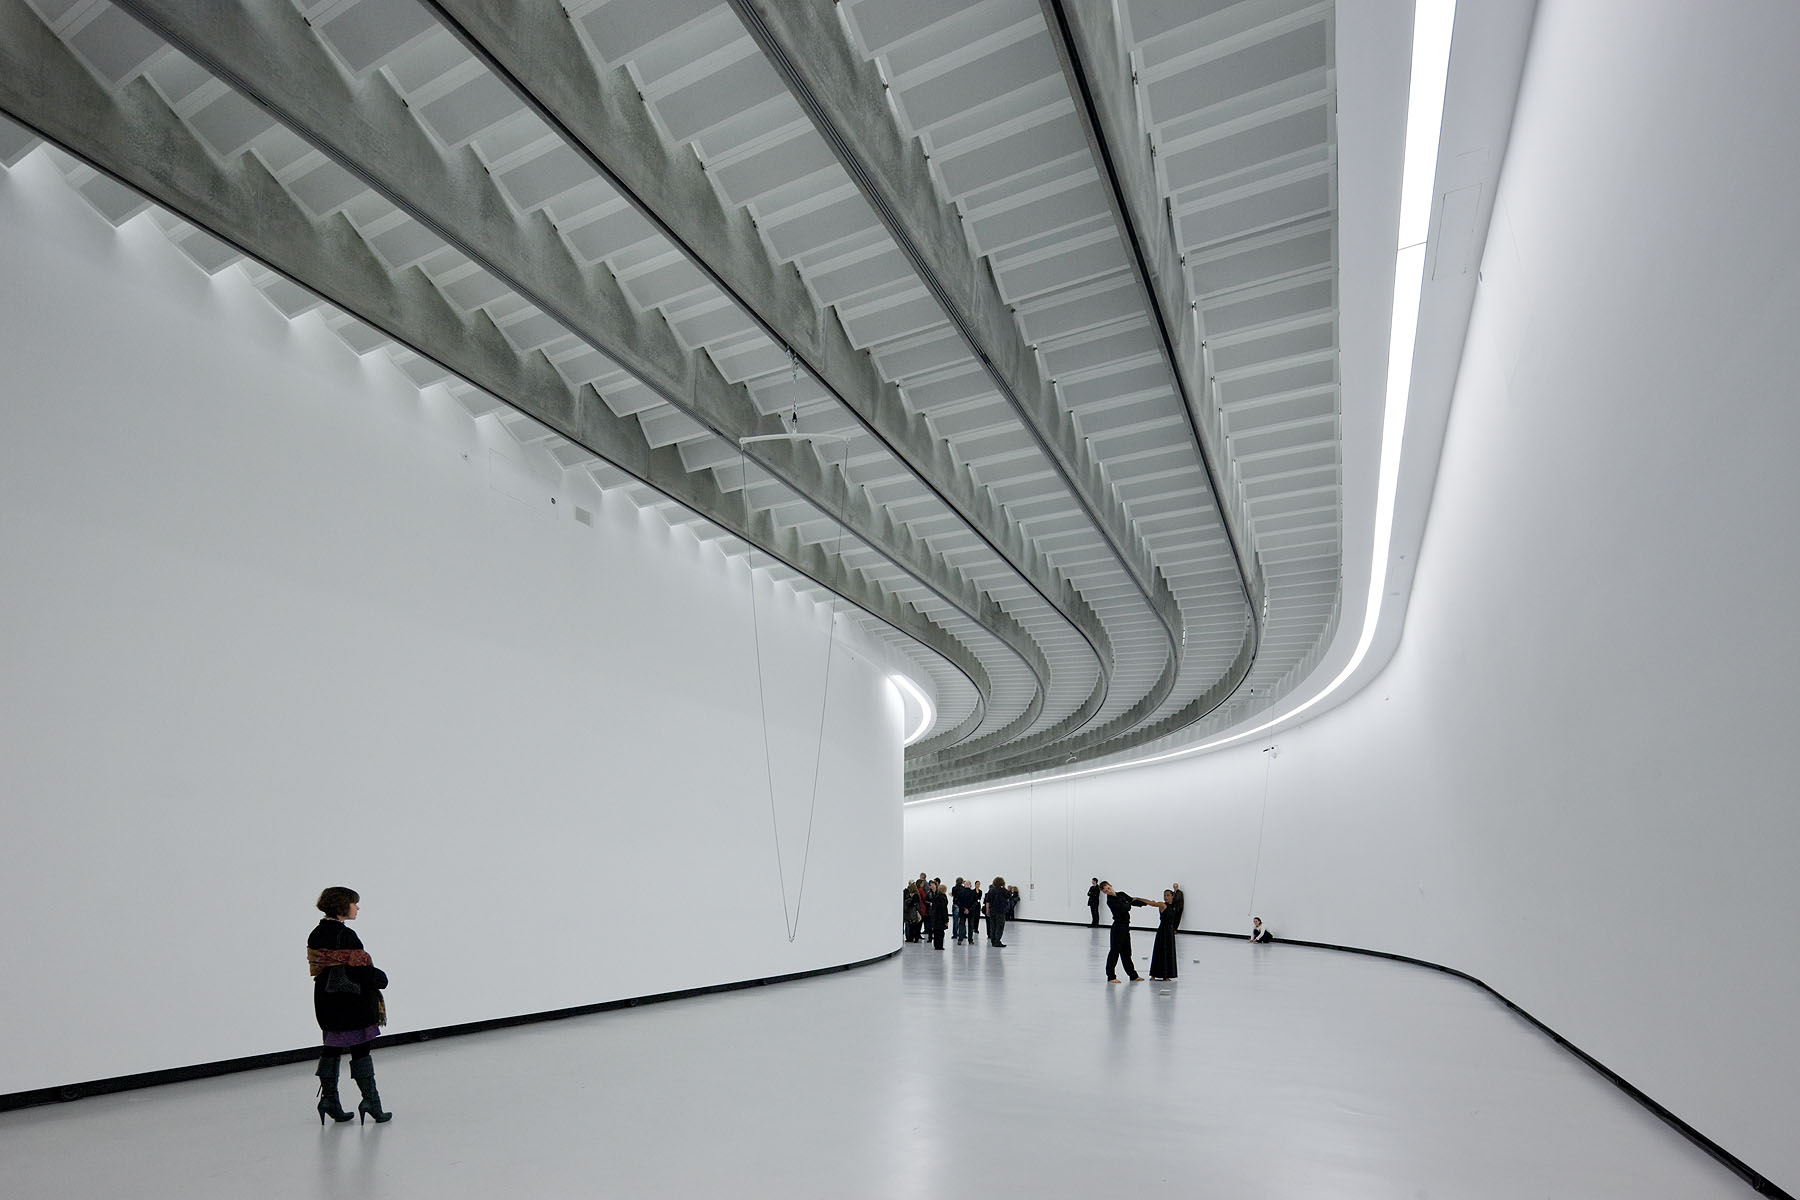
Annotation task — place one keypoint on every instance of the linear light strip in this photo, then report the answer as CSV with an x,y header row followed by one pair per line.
x,y
1433,22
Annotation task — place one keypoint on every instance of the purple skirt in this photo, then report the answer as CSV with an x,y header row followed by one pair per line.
x,y
343,1038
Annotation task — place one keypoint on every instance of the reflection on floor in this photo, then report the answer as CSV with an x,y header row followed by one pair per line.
x,y
971,1072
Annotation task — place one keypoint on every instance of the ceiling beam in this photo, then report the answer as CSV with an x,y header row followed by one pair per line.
x,y
133,137
536,52
847,102
266,51
1091,48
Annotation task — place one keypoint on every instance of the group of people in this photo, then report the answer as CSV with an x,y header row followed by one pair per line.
x,y
1162,956
928,907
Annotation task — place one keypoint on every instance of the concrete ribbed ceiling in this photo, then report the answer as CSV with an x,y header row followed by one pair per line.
x,y
1053,287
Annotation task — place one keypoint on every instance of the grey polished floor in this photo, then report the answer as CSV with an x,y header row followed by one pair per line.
x,y
1284,1072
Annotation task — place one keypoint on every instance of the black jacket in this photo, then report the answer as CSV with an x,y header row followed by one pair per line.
x,y
940,910
997,905
1094,896
343,1011
1121,906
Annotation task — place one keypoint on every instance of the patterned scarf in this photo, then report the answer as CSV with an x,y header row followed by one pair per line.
x,y
324,960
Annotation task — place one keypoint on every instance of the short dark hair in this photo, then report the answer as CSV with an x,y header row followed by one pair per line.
x,y
336,901
999,882
1103,883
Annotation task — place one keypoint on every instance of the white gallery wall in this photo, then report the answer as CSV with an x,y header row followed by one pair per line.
x,y
273,619
1576,779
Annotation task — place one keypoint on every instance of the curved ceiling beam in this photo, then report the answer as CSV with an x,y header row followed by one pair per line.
x,y
1102,84
1100,79
266,51
1118,735
1056,744
136,139
535,51
847,102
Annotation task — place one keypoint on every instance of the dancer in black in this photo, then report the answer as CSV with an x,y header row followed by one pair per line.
x,y
1094,903
1162,956
1121,906
347,1001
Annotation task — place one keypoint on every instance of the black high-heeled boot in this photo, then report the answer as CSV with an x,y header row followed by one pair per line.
x,y
329,1104
362,1070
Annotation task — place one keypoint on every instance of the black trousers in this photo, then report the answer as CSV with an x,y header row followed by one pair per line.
x,y
1095,909
937,936
996,926
1121,949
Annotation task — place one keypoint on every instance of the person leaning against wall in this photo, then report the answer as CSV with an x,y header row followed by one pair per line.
x,y
347,1002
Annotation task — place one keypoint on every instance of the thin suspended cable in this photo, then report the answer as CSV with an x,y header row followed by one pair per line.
x,y
1268,765
791,923
762,699
837,548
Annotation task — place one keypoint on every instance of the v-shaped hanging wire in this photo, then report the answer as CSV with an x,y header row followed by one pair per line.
x,y
791,918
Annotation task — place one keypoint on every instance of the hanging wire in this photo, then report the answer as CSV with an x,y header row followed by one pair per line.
x,y
1268,765
792,922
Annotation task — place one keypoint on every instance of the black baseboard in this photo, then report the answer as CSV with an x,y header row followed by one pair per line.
x,y
1726,1158
277,1058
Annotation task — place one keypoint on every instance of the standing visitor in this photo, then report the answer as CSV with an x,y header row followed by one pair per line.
x,y
909,911
940,915
1094,903
996,911
347,1002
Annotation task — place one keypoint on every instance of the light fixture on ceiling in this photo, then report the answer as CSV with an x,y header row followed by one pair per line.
x,y
1433,22
927,711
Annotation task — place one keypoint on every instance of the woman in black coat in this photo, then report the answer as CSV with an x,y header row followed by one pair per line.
x,y
347,1002
1162,955
940,915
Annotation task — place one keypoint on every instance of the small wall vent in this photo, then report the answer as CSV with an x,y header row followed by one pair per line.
x,y
583,515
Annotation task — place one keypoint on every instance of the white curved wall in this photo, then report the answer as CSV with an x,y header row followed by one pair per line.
x,y
1575,779
273,620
